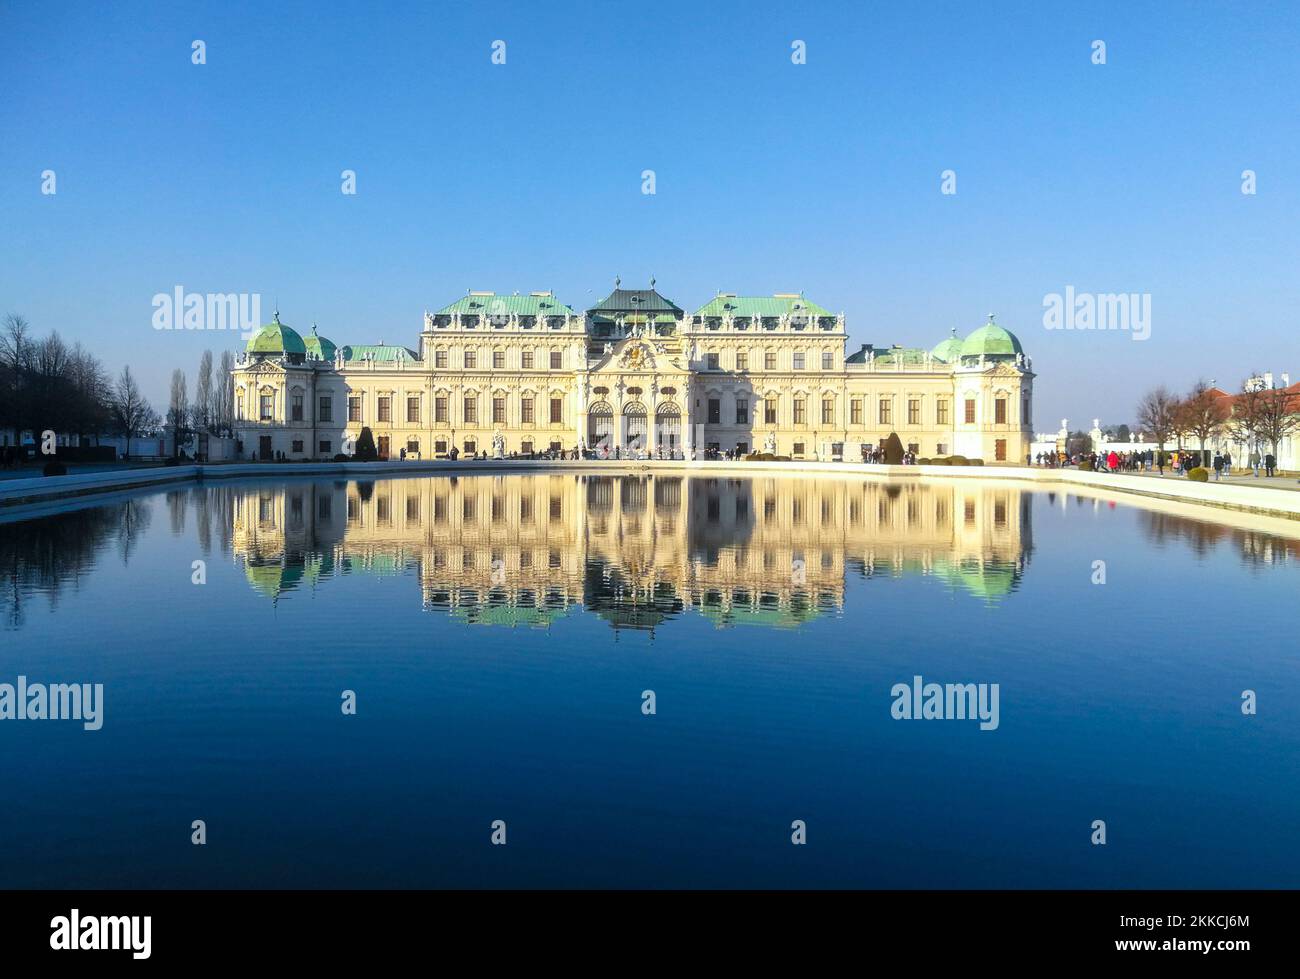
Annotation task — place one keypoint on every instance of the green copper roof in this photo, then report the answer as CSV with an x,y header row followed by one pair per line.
x,y
900,355
991,340
749,306
502,304
380,353
623,301
948,350
276,338
319,347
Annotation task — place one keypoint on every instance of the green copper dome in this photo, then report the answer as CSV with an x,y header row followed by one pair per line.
x,y
276,338
949,350
992,342
319,347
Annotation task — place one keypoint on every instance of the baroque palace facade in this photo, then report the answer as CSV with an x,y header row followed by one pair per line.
x,y
636,375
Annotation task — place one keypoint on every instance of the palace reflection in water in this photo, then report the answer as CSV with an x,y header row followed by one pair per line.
x,y
522,550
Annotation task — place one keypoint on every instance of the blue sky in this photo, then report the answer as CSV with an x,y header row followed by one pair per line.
x,y
822,177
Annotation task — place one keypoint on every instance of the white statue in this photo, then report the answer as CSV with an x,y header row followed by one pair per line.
x,y
769,446
499,445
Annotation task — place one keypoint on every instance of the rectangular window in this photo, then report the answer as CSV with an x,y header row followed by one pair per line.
x,y
326,409
799,418
267,407
769,411
324,450
440,409
711,362
526,447
715,411
557,410
855,411
557,361
797,449
297,445
471,359
1000,411
941,411
385,409
412,445
769,360
296,406
354,409
828,360
412,410
886,411
471,447
828,411
970,411
1000,450
498,360
471,410
798,360
440,448
913,411
440,359
941,449
742,360
1024,412
498,411
528,360
742,411
526,410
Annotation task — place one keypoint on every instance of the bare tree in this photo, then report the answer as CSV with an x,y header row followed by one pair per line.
x,y
15,342
1203,413
132,414
1277,415
224,388
178,410
1157,413
203,414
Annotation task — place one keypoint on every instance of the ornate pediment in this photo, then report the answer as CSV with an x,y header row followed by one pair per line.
x,y
638,355
266,367
1002,370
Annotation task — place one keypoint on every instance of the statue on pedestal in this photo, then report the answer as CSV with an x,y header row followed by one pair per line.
x,y
498,445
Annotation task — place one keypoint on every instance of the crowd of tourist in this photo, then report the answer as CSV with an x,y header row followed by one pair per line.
x,y
1179,462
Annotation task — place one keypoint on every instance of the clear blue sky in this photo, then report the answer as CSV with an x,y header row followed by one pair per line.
x,y
823,177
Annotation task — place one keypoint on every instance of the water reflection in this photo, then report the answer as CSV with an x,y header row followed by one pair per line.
x,y
634,550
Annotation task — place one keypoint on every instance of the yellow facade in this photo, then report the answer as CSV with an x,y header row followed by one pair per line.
x,y
628,386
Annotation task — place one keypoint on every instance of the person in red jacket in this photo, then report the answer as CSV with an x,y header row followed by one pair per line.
x,y
1112,461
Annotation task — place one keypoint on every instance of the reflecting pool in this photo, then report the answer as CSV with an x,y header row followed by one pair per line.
x,y
651,681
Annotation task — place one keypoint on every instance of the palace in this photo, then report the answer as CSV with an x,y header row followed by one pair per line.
x,y
637,376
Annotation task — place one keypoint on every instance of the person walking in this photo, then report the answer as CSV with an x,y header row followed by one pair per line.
x,y
1270,463
1218,467
1254,462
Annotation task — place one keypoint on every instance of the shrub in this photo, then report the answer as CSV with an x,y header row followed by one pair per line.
x,y
1199,475
340,457
366,451
958,461
171,462
55,468
975,462
893,450
941,461
922,462
1085,466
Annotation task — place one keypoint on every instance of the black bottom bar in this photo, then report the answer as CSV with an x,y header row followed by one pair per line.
x,y
334,928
